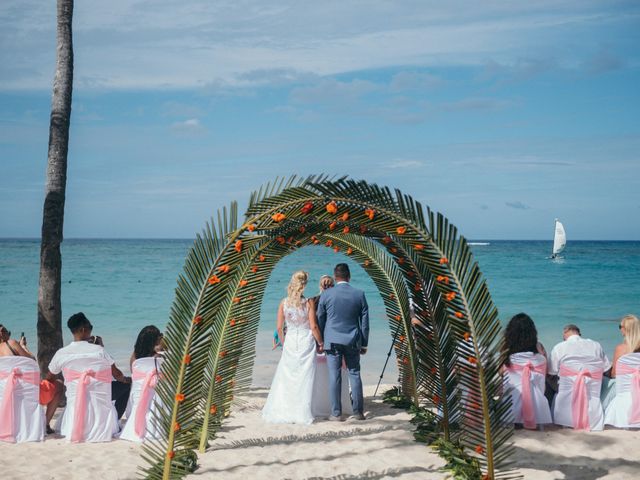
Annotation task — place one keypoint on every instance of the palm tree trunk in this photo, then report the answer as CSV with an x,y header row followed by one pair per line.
x,y
49,304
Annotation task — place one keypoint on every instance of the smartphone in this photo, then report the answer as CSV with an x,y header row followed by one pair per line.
x,y
22,336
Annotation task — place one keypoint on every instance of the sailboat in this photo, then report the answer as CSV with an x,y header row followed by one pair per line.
x,y
559,239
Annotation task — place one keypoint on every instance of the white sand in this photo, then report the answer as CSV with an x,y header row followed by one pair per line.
x,y
378,448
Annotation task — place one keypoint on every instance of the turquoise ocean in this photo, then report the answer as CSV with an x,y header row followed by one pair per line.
x,y
123,285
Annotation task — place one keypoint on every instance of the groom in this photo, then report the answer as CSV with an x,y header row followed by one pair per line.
x,y
343,318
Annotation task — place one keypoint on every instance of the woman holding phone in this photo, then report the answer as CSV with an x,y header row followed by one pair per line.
x,y
9,347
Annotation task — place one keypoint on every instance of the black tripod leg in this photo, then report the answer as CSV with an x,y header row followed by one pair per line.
x,y
393,342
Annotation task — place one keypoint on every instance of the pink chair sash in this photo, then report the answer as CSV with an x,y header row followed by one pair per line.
x,y
148,389
623,369
7,406
528,411
80,413
579,397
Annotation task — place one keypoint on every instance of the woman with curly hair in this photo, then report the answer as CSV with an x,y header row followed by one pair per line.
x,y
148,343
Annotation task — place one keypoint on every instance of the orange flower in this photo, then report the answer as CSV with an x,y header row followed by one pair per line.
x,y
466,336
345,230
367,263
386,240
345,216
369,212
302,229
332,225
280,240
479,449
261,258
410,274
401,261
443,279
307,208
213,410
417,287
187,359
314,238
218,378
393,250
349,251
472,360
176,427
418,246
236,299
171,454
316,241
436,399
213,279
405,361
197,320
434,370
254,269
332,208
475,406
298,243
391,296
290,240
243,283
278,217
443,260
223,354
401,230
402,338
363,229
224,269
397,317
251,227
180,397
450,296
329,243
238,246
459,315
232,322
336,249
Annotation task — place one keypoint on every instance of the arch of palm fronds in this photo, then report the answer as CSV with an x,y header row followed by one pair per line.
x,y
448,361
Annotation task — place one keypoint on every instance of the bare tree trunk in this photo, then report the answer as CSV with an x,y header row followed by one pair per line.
x,y
49,304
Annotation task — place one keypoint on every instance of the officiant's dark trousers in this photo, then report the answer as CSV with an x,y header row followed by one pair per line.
x,y
334,363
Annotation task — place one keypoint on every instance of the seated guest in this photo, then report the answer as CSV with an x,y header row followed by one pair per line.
x,y
50,389
525,370
630,330
84,345
148,344
574,347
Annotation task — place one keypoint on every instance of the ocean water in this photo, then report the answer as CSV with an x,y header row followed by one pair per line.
x,y
123,285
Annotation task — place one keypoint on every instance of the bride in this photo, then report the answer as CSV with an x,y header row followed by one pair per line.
x,y
289,399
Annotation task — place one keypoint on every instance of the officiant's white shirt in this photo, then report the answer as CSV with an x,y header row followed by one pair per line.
x,y
578,349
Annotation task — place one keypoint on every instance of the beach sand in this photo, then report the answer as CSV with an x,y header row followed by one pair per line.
x,y
378,448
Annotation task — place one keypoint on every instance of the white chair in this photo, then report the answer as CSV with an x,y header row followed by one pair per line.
x,y
320,400
525,379
624,409
90,415
577,403
22,418
143,403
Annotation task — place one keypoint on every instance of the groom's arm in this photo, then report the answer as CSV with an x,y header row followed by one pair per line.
x,y
321,314
364,321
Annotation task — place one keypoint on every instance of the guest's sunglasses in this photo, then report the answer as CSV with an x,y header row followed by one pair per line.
x,y
619,327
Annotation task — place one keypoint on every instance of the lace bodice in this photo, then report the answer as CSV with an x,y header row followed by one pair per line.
x,y
296,317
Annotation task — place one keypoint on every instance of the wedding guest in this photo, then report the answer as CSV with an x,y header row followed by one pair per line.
x,y
84,345
51,389
630,329
148,344
521,336
574,347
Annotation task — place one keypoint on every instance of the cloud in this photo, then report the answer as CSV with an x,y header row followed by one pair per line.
x,y
190,126
403,81
477,103
400,163
330,91
518,205
602,62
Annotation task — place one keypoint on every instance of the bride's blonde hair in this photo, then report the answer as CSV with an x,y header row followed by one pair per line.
x,y
296,288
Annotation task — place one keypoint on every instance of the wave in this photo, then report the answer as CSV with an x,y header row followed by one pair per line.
x,y
479,243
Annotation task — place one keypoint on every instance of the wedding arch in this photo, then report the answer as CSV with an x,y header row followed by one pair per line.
x,y
448,360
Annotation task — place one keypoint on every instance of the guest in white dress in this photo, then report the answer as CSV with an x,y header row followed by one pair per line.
x,y
291,392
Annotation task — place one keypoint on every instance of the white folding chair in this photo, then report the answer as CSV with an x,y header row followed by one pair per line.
x,y
22,418
90,415
577,403
143,402
624,409
525,379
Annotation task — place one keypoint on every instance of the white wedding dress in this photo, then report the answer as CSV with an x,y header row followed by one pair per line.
x,y
289,399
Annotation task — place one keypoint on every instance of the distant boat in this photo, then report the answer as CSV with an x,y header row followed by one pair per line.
x,y
559,239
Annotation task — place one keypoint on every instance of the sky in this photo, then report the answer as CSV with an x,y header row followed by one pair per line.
x,y
501,115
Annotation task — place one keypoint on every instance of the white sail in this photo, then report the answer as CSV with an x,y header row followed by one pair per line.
x,y
559,239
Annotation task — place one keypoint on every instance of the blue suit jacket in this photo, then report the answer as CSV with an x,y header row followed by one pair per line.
x,y
343,316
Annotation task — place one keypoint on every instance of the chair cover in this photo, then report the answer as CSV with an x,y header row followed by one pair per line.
x,y
320,401
525,380
90,415
577,403
624,409
22,418
142,401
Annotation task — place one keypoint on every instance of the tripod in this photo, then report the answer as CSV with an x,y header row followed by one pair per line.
x,y
395,335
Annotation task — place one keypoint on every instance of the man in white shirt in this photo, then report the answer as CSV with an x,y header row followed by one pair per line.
x,y
85,345
576,348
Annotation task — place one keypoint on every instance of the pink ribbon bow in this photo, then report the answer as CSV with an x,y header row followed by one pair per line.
x,y
84,379
148,389
579,397
7,421
528,411
623,369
